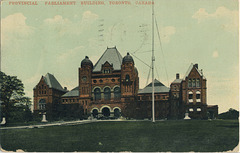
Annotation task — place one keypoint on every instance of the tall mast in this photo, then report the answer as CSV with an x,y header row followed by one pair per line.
x,y
153,59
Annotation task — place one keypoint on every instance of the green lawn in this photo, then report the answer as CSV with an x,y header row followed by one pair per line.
x,y
184,135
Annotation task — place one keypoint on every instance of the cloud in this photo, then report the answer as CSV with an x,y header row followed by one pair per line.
x,y
14,27
69,54
215,54
62,26
57,20
166,33
229,17
88,18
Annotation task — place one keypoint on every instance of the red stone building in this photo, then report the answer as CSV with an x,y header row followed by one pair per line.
x,y
111,87
47,92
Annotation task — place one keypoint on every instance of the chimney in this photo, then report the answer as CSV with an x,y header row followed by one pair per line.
x,y
196,65
177,76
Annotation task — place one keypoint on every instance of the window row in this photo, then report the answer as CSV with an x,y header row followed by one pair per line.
x,y
75,100
105,71
198,96
42,92
41,87
198,110
106,93
101,81
193,82
156,97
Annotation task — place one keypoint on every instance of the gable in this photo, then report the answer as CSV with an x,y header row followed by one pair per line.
x,y
106,64
193,71
112,56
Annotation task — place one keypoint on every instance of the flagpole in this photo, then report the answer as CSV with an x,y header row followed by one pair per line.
x,y
153,59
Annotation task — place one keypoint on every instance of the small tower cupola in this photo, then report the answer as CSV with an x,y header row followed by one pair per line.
x,y
127,58
86,61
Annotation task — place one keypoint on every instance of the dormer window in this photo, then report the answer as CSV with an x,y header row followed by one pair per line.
x,y
106,71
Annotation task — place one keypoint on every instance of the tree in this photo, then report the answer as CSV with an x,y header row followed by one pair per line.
x,y
230,114
12,96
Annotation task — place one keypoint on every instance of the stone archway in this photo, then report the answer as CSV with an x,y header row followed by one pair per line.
x,y
106,112
95,113
117,113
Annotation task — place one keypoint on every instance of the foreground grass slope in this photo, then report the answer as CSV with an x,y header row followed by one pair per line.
x,y
189,135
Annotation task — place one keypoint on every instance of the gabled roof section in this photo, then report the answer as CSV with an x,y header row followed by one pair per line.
x,y
112,56
158,88
73,93
190,69
177,81
52,82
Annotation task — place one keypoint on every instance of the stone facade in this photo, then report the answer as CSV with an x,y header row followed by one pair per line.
x,y
110,88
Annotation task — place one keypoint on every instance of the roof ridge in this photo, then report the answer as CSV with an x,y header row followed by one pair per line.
x,y
48,78
52,82
100,58
118,54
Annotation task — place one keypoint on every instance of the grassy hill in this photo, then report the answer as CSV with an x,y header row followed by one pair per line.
x,y
181,136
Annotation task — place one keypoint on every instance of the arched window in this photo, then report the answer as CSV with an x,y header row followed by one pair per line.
x,y
127,78
198,96
117,93
198,82
42,104
194,82
190,96
107,94
97,94
190,83
117,113
190,109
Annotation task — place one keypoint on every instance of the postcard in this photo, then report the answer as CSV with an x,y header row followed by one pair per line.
x,y
119,75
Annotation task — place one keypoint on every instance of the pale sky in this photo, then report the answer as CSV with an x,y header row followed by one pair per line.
x,y
38,39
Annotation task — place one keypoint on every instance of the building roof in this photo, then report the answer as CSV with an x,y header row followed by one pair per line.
x,y
73,93
112,56
86,61
190,69
127,58
177,81
52,82
158,88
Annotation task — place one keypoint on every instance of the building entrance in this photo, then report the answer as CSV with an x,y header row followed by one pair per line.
x,y
106,112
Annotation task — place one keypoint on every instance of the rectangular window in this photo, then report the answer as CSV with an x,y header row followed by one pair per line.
x,y
190,96
194,82
198,96
198,83
190,83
